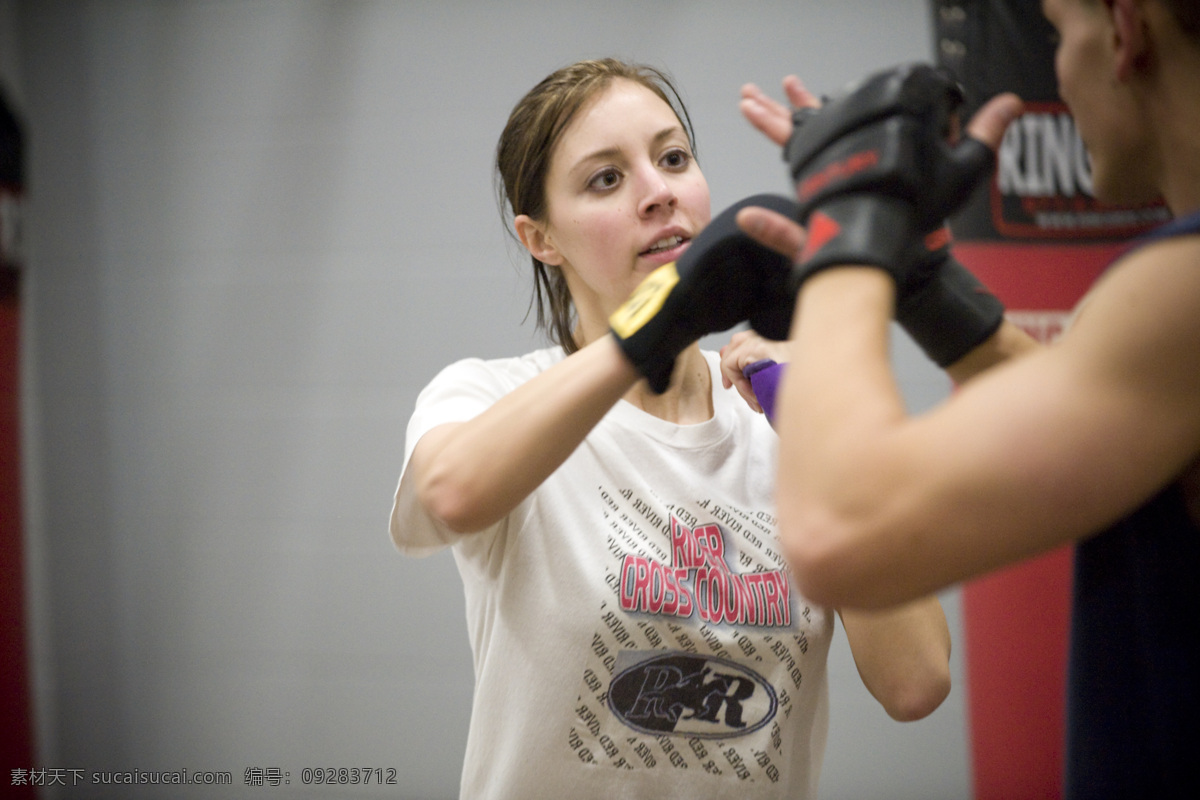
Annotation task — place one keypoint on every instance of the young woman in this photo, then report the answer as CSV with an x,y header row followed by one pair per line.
x,y
635,630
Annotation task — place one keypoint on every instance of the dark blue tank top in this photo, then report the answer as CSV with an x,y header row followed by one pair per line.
x,y
1133,686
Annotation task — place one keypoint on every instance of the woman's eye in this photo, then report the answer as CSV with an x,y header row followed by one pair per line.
x,y
605,180
676,159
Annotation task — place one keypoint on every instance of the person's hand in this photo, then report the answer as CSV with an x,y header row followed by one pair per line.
x,y
772,118
992,119
777,231
745,348
719,281
875,170
785,235
942,306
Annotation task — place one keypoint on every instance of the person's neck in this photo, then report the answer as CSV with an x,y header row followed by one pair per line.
x,y
688,399
1175,117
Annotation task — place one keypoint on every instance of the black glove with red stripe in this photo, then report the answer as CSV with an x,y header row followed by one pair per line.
x,y
943,306
874,172
875,180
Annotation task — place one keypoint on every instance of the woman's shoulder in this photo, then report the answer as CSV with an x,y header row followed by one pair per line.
x,y
505,373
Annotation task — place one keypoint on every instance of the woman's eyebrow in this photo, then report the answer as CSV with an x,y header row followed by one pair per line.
x,y
607,153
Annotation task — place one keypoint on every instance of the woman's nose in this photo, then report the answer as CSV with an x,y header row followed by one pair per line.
x,y
656,194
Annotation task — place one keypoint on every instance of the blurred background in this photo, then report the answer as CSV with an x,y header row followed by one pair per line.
x,y
251,233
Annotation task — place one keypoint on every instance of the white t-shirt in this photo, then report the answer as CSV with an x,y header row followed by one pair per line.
x,y
634,628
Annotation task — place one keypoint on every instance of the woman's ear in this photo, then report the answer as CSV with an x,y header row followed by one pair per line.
x,y
533,235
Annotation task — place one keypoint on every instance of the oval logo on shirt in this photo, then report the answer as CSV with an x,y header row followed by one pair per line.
x,y
666,692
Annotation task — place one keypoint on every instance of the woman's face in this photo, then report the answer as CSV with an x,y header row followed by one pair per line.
x,y
624,196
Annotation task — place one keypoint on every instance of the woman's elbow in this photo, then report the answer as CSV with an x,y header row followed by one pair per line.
x,y
450,504
918,698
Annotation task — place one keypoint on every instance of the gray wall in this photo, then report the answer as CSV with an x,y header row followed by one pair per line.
x,y
255,231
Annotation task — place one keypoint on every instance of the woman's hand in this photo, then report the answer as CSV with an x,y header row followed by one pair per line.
x,y
744,348
770,116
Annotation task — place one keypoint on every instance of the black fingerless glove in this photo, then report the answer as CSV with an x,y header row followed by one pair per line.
x,y
874,173
876,179
944,308
714,285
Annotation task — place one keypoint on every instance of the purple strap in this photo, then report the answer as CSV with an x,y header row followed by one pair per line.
x,y
764,377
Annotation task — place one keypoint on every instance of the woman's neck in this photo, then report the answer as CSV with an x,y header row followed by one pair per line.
x,y
688,400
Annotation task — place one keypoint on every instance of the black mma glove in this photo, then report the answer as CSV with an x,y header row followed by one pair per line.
x,y
877,159
714,285
874,173
943,306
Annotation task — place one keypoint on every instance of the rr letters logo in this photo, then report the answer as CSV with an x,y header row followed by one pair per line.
x,y
692,695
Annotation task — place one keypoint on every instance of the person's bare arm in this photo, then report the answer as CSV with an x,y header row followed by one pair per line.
x,y
1008,342
902,655
471,474
880,508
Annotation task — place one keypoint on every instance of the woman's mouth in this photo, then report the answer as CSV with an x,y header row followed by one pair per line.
x,y
663,245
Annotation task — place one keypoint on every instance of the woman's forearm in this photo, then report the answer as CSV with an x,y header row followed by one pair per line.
x,y
903,656
471,474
